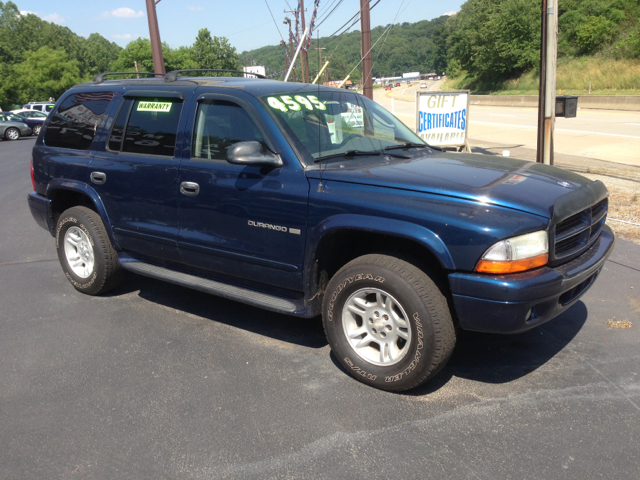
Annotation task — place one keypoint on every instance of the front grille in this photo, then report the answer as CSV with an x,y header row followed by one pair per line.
x,y
577,232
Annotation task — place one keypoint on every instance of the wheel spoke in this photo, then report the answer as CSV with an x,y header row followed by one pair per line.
x,y
78,263
364,341
393,351
358,332
355,309
384,349
380,299
361,302
402,334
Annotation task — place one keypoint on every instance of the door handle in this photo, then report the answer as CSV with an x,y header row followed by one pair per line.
x,y
98,177
189,188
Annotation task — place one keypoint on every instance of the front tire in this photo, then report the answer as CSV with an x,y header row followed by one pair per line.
x,y
387,322
86,255
12,133
36,130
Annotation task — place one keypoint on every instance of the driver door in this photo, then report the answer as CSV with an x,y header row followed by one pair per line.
x,y
245,221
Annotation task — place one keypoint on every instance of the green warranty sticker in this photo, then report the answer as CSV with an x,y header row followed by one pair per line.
x,y
154,106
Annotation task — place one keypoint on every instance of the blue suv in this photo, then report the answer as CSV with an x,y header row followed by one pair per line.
x,y
308,201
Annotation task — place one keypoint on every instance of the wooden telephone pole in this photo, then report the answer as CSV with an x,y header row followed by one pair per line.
x,y
365,26
154,35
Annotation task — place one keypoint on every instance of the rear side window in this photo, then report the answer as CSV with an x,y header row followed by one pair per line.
x,y
150,126
73,125
37,107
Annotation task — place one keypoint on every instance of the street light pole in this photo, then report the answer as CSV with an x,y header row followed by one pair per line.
x,y
154,36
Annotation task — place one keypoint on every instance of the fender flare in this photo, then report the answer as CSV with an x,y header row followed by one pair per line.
x,y
80,187
397,228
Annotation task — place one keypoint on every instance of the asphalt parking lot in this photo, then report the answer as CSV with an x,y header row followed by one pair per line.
x,y
157,381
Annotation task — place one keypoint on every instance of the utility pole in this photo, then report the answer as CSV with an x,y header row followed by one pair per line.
x,y
365,27
320,67
287,20
154,35
547,96
305,59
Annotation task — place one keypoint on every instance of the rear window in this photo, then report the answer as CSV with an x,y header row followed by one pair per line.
x,y
150,126
73,125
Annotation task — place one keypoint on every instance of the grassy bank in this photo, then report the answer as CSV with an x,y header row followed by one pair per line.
x,y
606,76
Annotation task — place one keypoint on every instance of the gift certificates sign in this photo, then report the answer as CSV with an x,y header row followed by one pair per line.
x,y
442,117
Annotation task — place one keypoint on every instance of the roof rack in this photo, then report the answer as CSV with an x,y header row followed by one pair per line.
x,y
100,77
173,75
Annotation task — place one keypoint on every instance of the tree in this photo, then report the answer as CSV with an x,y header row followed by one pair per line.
x,y
45,73
99,54
213,52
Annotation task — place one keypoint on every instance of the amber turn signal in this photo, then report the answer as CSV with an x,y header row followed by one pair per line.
x,y
495,267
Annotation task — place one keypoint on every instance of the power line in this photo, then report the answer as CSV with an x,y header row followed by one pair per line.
x,y
274,21
329,14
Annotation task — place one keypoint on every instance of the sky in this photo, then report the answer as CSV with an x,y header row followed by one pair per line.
x,y
246,23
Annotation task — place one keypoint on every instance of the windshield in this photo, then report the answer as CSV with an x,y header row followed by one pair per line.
x,y
9,117
330,123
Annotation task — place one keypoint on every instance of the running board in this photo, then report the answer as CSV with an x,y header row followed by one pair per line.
x,y
231,292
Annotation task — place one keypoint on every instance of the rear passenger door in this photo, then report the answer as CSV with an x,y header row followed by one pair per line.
x,y
246,222
136,174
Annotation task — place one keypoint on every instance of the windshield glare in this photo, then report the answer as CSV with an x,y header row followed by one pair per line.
x,y
326,123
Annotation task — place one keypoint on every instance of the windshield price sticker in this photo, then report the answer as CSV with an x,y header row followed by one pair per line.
x,y
295,103
154,106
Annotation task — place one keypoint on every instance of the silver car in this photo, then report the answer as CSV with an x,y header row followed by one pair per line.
x,y
14,130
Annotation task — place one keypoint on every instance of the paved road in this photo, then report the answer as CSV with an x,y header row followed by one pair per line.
x,y
157,381
608,135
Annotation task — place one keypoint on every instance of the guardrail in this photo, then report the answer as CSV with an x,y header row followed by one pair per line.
x,y
602,102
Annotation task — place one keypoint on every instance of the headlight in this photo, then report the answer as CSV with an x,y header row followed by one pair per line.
x,y
516,254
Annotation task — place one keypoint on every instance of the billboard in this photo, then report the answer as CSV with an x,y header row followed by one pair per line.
x,y
442,117
259,69
411,75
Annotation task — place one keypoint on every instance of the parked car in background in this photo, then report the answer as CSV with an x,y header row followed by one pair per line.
x,y
29,113
388,87
398,84
39,106
35,124
423,85
13,130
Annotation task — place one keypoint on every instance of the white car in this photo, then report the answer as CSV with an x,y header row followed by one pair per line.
x,y
45,107
423,85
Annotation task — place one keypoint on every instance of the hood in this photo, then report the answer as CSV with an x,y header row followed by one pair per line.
x,y
508,182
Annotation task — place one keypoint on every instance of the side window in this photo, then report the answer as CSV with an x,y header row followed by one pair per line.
x,y
220,124
48,108
150,126
37,107
73,125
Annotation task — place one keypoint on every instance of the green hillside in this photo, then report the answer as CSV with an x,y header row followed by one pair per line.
x,y
407,47
492,44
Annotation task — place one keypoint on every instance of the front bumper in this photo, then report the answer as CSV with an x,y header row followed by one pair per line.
x,y
39,207
518,302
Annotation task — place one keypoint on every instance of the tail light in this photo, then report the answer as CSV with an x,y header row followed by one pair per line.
x,y
33,180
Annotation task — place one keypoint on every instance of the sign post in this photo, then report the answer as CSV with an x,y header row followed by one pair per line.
x,y
442,118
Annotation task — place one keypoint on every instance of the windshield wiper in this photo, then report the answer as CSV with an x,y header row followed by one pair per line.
x,y
406,145
348,153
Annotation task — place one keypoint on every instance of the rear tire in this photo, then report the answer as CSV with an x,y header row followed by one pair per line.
x,y
12,133
85,252
36,130
387,322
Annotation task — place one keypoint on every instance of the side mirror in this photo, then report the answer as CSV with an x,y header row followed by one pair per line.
x,y
251,154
